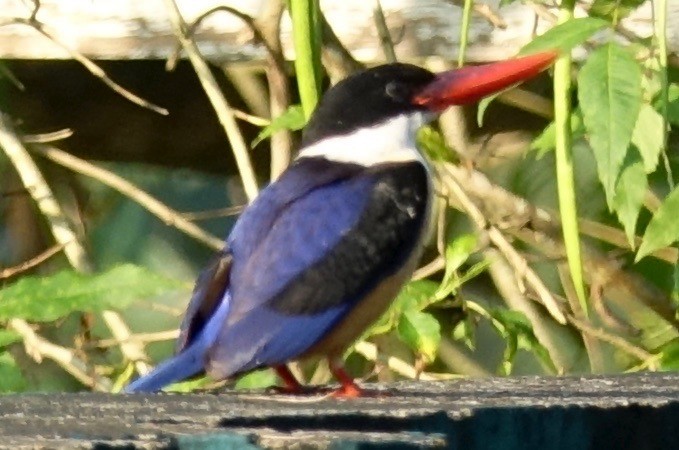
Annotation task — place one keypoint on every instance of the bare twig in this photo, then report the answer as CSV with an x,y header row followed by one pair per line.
x,y
160,210
617,341
266,32
523,271
458,360
31,263
592,346
505,279
93,68
214,213
157,336
44,138
436,265
337,60
370,352
5,72
250,118
279,84
34,182
484,10
36,185
218,101
38,347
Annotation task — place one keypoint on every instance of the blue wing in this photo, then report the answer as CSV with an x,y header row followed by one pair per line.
x,y
295,266
302,233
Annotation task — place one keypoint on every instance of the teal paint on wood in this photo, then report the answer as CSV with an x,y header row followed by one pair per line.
x,y
220,441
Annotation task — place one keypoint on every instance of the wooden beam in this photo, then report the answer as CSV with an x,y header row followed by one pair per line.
x,y
129,29
623,411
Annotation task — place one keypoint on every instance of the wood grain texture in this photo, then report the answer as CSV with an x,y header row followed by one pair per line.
x,y
624,411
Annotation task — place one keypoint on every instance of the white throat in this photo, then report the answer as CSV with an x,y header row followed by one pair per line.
x,y
391,141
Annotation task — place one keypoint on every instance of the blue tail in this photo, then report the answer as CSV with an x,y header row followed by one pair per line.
x,y
190,361
184,365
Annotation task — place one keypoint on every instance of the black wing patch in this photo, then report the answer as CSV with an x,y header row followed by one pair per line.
x,y
381,241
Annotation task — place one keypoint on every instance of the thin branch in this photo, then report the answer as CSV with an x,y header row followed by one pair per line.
x,y
250,118
436,265
337,60
369,351
458,360
93,68
523,271
38,348
36,185
484,10
157,336
218,101
168,215
617,341
31,263
279,84
213,213
45,138
59,225
504,275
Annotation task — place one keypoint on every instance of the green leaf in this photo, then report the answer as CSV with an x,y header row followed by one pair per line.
x,y
485,102
669,359
258,379
517,331
457,252
546,141
613,9
565,36
11,378
416,296
465,331
292,119
648,136
421,332
673,105
664,226
433,143
44,299
8,337
610,97
629,193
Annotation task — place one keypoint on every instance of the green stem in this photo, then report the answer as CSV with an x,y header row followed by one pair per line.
x,y
307,39
565,175
464,31
660,13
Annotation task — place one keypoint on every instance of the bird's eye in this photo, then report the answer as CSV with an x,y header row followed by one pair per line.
x,y
396,91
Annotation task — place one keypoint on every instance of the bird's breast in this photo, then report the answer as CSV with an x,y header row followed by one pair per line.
x,y
385,247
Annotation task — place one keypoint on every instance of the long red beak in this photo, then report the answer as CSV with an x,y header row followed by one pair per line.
x,y
469,84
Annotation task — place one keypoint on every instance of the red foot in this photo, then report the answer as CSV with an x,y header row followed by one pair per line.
x,y
292,386
349,388
349,391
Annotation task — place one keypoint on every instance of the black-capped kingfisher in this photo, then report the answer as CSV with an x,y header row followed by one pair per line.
x,y
320,254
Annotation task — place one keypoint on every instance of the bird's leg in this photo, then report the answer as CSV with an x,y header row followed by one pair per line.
x,y
349,388
292,386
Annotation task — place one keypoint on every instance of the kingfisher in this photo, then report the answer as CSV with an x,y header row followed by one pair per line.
x,y
321,253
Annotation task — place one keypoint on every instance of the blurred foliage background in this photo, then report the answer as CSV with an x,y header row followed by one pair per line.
x,y
107,218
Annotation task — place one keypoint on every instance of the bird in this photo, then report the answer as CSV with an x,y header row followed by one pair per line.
x,y
323,250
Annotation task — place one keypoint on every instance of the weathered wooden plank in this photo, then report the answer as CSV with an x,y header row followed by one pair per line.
x,y
627,411
130,29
